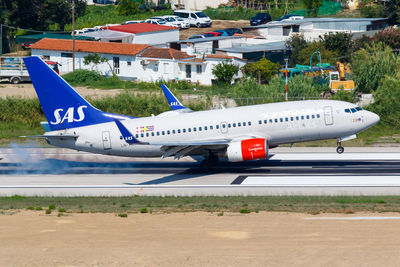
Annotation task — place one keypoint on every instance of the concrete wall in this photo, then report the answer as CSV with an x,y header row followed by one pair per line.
x,y
200,4
162,37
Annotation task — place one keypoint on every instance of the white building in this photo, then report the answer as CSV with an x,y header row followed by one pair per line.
x,y
133,61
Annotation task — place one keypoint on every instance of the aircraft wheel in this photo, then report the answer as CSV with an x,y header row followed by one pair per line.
x,y
339,149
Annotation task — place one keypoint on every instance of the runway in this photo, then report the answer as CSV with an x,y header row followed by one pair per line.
x,y
291,171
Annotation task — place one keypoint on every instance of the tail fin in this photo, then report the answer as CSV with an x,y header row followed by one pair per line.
x,y
172,100
63,107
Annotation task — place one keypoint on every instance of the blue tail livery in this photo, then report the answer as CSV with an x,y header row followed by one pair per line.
x,y
172,100
63,107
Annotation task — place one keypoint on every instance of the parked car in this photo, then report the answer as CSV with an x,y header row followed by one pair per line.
x,y
184,24
167,23
157,21
172,20
211,34
289,18
133,21
223,32
27,45
197,36
234,30
260,18
195,18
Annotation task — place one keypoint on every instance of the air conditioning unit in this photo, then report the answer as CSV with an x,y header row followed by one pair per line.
x,y
144,62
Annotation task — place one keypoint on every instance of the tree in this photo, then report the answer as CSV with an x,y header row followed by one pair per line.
x,y
96,59
312,6
326,55
127,7
225,71
296,43
370,65
262,70
340,43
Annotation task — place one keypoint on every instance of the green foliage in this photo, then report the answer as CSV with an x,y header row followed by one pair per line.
x,y
144,210
312,6
263,69
296,43
370,65
387,101
344,96
127,7
83,77
373,11
52,207
48,211
230,13
62,210
340,43
244,211
123,215
327,56
225,71
94,59
389,36
361,42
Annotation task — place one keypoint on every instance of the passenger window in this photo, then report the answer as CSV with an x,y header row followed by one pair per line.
x,y
163,133
244,124
223,125
276,120
317,115
189,130
239,124
347,110
302,117
229,125
121,137
152,134
313,116
286,119
265,121
259,122
147,134
249,123
142,135
297,118
194,129
308,117
211,127
173,131
291,118
200,128
281,120
205,128
184,130
158,133
179,130
270,120
234,124
168,132
137,136
217,127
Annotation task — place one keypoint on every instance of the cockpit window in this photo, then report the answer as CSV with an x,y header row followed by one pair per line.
x,y
358,108
353,110
347,110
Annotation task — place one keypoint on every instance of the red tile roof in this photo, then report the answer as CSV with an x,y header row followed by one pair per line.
x,y
141,27
89,46
224,57
169,53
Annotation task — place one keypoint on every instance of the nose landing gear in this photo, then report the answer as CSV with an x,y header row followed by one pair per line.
x,y
339,148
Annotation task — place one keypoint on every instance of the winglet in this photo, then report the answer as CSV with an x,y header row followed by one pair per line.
x,y
172,100
128,137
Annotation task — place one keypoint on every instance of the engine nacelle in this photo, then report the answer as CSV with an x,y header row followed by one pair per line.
x,y
248,149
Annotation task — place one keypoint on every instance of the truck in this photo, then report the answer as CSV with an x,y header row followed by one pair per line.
x,y
13,69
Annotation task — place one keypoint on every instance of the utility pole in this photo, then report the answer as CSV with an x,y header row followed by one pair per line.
x,y
1,39
73,35
286,61
179,4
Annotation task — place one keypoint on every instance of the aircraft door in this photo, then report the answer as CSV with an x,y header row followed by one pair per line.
x,y
224,127
328,114
106,140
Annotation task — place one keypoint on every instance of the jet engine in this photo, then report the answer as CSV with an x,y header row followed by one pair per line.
x,y
248,149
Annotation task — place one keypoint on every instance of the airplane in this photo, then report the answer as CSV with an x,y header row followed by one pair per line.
x,y
236,134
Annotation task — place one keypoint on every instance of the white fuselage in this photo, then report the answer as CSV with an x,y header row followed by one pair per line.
x,y
278,123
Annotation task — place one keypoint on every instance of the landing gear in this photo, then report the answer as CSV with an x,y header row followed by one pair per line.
x,y
209,162
339,148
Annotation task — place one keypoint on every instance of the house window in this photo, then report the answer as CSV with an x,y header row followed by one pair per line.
x,y
199,69
129,63
188,70
116,64
155,67
66,55
46,57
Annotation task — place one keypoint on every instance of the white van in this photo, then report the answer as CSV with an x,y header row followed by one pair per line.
x,y
195,18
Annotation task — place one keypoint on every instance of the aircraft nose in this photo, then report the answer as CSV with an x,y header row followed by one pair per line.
x,y
372,118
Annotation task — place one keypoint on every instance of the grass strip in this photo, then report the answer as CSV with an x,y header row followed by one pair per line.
x,y
148,204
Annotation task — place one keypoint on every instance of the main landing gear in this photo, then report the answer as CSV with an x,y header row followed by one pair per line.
x,y
339,148
209,162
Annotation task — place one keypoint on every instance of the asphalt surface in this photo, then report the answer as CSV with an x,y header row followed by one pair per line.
x,y
305,171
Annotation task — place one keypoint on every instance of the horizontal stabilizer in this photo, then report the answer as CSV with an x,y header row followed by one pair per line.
x,y
58,136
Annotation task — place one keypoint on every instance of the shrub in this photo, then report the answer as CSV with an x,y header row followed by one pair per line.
x,y
62,210
123,215
370,66
263,69
127,7
389,36
48,211
38,208
143,210
244,211
327,56
340,43
30,208
225,71
296,43
52,207
344,96
83,77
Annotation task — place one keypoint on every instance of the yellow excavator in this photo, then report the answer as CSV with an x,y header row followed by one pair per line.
x,y
338,81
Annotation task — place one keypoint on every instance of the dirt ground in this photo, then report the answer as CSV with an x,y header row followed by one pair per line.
x,y
216,25
197,239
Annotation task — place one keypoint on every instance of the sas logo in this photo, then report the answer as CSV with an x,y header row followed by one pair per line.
x,y
69,115
175,104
